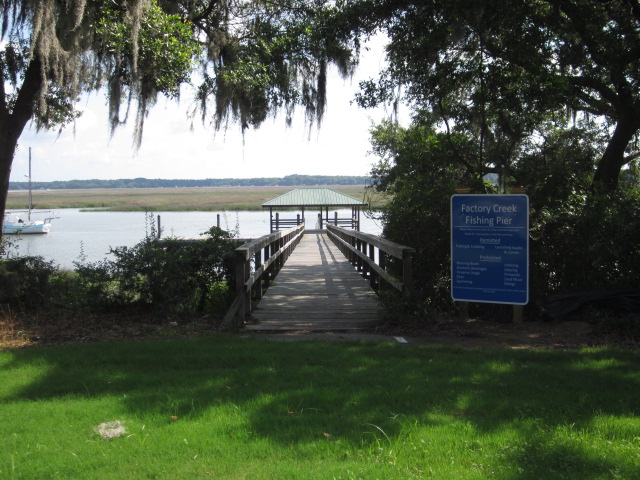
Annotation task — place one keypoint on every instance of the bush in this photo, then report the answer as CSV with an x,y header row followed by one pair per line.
x,y
588,243
170,277
25,281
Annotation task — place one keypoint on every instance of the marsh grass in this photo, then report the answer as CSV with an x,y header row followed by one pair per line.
x,y
161,199
230,407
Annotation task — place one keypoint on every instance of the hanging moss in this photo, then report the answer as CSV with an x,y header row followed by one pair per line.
x,y
256,58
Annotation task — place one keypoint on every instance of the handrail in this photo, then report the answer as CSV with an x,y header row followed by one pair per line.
x,y
360,249
277,247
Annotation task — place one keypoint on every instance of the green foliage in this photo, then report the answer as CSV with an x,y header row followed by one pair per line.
x,y
499,71
171,277
580,239
25,281
279,62
56,107
165,48
256,59
586,243
420,172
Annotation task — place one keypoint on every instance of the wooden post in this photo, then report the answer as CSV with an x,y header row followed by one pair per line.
x,y
247,293
372,272
218,220
382,259
463,311
518,313
280,260
266,277
298,220
277,221
240,280
159,232
407,274
270,219
258,263
366,271
335,218
352,256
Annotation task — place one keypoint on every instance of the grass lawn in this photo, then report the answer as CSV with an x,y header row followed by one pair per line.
x,y
233,407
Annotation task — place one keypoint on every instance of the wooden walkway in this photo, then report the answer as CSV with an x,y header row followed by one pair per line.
x,y
317,289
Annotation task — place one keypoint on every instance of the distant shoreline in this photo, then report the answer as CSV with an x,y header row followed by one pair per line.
x,y
289,180
167,199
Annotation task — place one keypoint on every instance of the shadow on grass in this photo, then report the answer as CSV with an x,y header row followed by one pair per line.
x,y
363,393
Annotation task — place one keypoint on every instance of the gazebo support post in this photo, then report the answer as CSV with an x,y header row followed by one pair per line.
x,y
270,219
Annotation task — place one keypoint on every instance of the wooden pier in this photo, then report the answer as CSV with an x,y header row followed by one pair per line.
x,y
316,289
316,280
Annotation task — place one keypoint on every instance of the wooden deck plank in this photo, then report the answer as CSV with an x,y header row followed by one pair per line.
x,y
317,289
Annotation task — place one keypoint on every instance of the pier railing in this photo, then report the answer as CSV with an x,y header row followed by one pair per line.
x,y
256,263
378,260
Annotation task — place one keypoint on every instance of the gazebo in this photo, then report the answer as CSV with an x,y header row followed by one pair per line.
x,y
314,199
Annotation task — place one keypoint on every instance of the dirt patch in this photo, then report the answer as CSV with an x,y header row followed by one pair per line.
x,y
479,334
527,335
25,332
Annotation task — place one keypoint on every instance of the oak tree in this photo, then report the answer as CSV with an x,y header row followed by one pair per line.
x,y
503,70
252,58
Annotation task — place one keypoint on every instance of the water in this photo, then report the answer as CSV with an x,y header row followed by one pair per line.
x,y
91,234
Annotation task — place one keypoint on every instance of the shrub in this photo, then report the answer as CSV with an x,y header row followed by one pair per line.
x,y
25,281
171,277
587,243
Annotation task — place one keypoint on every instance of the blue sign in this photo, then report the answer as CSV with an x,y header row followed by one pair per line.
x,y
490,248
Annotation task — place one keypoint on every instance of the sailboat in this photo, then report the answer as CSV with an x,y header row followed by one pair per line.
x,y
15,223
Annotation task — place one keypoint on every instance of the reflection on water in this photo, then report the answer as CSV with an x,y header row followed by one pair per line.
x,y
90,235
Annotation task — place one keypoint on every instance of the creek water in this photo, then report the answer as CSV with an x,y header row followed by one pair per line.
x,y
88,235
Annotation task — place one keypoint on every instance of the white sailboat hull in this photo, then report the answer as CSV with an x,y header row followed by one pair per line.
x,y
14,224
15,227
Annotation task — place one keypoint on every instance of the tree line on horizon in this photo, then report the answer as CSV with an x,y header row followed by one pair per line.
x,y
289,180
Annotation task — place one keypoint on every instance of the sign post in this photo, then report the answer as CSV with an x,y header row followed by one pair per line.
x,y
490,248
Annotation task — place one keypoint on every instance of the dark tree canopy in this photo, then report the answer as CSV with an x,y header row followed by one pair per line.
x,y
503,70
537,93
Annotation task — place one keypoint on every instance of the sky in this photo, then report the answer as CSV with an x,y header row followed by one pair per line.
x,y
172,150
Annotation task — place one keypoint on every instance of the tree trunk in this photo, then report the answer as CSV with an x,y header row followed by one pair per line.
x,y
608,171
12,123
7,149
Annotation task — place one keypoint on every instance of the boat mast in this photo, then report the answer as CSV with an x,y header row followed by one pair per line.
x,y
30,197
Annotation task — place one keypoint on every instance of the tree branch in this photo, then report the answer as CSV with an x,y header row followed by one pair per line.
x,y
451,143
630,158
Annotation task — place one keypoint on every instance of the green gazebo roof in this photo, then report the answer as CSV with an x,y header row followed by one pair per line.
x,y
314,197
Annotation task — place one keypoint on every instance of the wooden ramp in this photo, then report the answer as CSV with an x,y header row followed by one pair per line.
x,y
317,289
